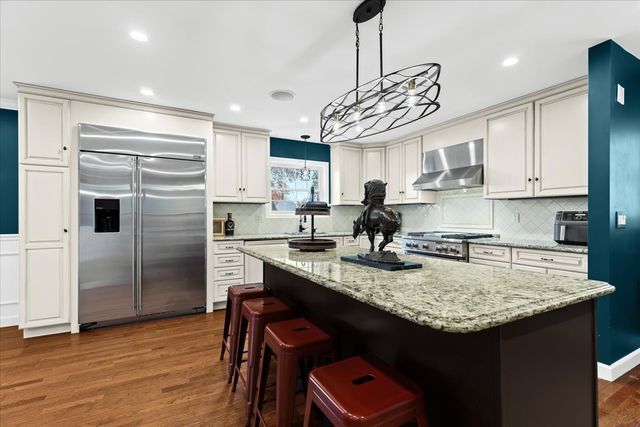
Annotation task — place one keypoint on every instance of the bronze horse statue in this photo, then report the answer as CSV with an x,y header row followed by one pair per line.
x,y
375,217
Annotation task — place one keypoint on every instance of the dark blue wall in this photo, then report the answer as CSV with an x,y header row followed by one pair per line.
x,y
614,185
8,171
292,149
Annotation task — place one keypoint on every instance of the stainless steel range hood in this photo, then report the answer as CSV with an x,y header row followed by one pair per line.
x,y
456,166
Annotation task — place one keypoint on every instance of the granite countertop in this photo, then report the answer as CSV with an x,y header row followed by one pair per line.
x,y
545,245
278,236
444,295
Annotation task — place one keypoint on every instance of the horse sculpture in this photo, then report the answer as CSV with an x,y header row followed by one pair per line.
x,y
377,218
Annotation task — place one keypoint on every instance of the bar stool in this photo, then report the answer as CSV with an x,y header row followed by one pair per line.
x,y
364,391
292,342
256,314
236,295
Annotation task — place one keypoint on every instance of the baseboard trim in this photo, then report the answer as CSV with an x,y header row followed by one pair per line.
x,y
619,367
46,330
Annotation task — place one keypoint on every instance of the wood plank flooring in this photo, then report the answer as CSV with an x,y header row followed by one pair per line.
x,y
162,372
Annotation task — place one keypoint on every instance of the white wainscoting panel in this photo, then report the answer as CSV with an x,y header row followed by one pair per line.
x,y
9,268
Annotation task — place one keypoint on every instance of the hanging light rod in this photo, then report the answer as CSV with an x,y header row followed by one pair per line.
x,y
387,102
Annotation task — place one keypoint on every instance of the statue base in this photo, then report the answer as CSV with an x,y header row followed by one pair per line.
x,y
385,260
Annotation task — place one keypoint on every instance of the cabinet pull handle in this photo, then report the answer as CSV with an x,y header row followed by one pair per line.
x,y
228,274
487,252
546,259
228,260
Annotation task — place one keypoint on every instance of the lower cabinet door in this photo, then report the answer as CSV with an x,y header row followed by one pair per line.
x,y
45,290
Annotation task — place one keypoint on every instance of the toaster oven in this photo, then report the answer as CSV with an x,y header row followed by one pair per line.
x,y
571,227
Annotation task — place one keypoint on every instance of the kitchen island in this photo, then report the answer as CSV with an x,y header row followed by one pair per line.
x,y
490,347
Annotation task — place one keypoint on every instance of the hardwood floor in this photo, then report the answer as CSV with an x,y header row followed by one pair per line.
x,y
162,372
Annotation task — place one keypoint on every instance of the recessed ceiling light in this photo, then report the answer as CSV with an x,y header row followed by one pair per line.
x,y
146,91
304,119
139,36
235,107
508,62
282,95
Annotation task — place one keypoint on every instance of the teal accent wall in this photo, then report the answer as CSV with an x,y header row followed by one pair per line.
x,y
8,171
292,149
614,186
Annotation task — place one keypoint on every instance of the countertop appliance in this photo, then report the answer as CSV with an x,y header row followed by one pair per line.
x,y
142,236
443,244
571,227
455,166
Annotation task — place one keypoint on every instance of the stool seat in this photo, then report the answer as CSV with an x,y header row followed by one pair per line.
x,y
364,391
297,335
263,307
248,290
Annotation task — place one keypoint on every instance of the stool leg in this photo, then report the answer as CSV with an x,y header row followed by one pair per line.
x,y
286,389
225,330
422,417
234,325
308,407
242,335
262,383
255,340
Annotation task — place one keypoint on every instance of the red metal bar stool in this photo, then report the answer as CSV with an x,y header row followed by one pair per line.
x,y
256,314
364,391
236,295
291,342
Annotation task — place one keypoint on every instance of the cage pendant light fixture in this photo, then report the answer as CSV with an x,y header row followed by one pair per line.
x,y
305,174
387,102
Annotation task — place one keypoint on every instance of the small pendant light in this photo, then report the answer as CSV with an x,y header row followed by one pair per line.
x,y
306,173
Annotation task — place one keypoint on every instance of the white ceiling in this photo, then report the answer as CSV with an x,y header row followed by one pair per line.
x,y
207,55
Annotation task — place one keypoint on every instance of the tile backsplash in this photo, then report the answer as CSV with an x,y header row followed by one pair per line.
x,y
455,209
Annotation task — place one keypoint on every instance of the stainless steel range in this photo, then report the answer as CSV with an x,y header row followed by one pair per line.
x,y
443,244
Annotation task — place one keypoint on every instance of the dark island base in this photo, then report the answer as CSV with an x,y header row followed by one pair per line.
x,y
539,371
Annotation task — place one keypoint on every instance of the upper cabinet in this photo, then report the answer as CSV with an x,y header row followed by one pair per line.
x,y
404,166
538,149
240,167
561,144
44,130
346,164
373,164
508,153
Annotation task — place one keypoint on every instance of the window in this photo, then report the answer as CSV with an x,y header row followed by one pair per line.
x,y
289,191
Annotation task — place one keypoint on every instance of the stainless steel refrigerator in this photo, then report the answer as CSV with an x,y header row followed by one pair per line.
x,y
142,237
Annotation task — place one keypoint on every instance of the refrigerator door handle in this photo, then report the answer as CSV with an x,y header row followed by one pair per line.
x,y
139,196
134,210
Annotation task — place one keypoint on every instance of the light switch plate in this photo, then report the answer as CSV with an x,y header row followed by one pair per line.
x,y
621,220
620,95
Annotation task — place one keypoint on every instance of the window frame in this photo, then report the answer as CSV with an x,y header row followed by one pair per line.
x,y
323,181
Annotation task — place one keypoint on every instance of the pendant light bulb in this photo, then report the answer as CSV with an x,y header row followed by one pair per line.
x,y
411,87
336,122
357,112
381,106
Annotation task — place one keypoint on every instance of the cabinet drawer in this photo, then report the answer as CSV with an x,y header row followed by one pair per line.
x,y
496,253
550,259
228,260
350,241
223,286
228,273
574,274
490,263
226,246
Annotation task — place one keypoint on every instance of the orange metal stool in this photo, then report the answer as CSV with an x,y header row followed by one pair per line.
x,y
291,342
256,314
364,391
236,295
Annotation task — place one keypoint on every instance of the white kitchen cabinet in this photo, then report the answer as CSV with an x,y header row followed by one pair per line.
x,y
44,130
44,246
373,164
337,239
241,167
255,168
565,261
561,144
508,153
346,164
350,241
228,269
490,263
253,267
492,253
403,167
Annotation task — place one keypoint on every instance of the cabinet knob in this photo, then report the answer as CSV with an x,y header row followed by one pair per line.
x,y
537,179
65,230
529,179
239,188
64,148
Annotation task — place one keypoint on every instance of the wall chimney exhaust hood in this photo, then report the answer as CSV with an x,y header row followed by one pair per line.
x,y
448,168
